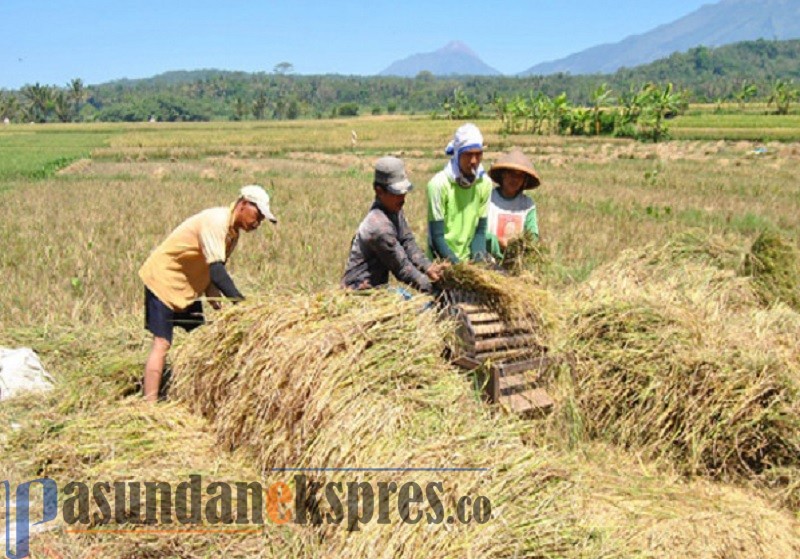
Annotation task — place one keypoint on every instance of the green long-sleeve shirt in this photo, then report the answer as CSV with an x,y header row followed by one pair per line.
x,y
460,209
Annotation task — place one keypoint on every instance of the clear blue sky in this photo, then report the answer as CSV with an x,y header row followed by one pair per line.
x,y
53,41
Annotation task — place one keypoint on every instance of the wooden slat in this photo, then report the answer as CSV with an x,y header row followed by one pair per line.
x,y
530,402
507,342
532,364
539,398
466,362
484,317
514,383
472,307
501,356
490,328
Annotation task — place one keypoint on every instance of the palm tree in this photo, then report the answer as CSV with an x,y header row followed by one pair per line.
x,y
62,107
77,94
40,100
9,106
239,108
260,105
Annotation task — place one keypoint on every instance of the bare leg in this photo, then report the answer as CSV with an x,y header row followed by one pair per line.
x,y
153,368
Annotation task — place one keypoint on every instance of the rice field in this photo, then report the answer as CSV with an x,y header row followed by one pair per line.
x,y
675,436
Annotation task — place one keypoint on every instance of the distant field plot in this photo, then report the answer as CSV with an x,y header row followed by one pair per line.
x,y
35,151
760,127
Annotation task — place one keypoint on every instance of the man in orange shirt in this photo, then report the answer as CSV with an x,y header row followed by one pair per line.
x,y
189,263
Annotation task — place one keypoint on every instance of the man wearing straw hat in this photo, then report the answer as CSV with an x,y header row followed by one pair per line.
x,y
190,262
458,200
384,242
511,211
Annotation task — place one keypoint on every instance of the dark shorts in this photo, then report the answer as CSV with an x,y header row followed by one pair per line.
x,y
160,320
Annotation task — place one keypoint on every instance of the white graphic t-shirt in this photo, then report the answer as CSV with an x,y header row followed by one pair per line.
x,y
507,216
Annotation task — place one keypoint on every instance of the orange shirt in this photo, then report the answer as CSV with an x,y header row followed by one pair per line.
x,y
178,270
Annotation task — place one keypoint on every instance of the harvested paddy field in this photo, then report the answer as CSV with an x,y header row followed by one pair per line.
x,y
670,281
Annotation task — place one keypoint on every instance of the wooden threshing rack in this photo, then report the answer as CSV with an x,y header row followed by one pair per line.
x,y
506,357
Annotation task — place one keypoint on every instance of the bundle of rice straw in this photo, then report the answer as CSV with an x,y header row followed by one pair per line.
x,y
128,441
512,298
678,359
524,253
774,264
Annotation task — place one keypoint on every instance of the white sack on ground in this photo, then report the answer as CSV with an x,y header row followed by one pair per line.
x,y
21,370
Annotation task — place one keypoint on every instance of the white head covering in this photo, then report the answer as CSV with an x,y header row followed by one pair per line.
x,y
466,138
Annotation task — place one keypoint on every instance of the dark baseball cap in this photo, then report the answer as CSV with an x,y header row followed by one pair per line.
x,y
390,173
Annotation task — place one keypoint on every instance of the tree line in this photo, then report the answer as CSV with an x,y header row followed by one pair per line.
x,y
740,73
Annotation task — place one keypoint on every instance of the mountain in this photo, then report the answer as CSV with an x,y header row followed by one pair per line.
x,y
725,22
174,77
703,68
454,59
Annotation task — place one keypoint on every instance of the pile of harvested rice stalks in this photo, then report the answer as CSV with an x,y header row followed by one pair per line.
x,y
774,264
355,380
511,297
678,360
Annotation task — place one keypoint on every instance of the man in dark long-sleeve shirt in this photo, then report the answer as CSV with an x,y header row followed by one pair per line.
x,y
384,242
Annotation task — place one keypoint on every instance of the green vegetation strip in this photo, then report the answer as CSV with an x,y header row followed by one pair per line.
x,y
38,154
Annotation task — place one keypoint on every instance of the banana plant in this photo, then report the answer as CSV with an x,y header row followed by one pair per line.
x,y
558,113
657,104
579,119
537,111
501,111
461,106
783,94
601,98
746,93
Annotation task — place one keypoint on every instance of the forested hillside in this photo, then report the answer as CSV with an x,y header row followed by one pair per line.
x,y
705,74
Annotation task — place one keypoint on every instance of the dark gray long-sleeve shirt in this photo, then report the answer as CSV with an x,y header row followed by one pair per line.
x,y
384,243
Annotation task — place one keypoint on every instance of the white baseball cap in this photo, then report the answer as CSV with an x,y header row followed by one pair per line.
x,y
258,196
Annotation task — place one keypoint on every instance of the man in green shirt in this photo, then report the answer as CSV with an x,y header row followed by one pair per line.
x,y
458,200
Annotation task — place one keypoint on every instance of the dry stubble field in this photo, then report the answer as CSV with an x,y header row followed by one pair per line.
x,y
73,241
